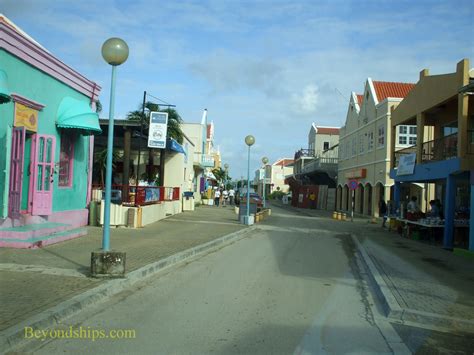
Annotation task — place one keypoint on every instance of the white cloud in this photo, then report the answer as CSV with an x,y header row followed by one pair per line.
x,y
306,101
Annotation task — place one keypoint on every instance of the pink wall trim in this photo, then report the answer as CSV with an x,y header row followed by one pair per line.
x,y
27,102
20,46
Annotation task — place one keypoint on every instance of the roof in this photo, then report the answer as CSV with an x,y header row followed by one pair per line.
x,y
327,130
360,97
284,162
385,89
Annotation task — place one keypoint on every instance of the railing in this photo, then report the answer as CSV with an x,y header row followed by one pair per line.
x,y
207,160
436,150
322,164
304,153
470,141
137,195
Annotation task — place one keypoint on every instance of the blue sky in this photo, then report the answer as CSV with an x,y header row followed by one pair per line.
x,y
269,68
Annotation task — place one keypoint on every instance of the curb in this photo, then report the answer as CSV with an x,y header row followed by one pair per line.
x,y
14,336
392,308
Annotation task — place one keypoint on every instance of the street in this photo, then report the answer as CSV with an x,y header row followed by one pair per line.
x,y
291,287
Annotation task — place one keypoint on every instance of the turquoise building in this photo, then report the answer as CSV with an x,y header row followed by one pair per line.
x,y
47,123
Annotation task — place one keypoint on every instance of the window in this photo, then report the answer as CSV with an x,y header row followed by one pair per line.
x,y
66,160
370,142
406,135
325,145
381,136
361,144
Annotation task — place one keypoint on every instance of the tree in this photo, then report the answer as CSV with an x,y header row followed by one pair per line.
x,y
174,119
221,175
100,162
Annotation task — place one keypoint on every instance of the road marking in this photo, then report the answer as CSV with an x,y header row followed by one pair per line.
x,y
203,222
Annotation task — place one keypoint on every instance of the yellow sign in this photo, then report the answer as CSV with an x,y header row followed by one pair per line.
x,y
26,117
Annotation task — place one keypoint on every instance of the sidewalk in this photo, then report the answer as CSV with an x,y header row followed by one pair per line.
x,y
425,283
34,280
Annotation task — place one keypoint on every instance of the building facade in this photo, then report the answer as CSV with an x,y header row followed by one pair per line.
x,y
443,106
47,122
364,146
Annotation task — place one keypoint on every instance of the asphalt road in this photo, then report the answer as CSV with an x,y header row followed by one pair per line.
x,y
288,288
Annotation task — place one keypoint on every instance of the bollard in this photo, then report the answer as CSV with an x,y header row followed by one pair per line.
x,y
339,216
334,215
344,217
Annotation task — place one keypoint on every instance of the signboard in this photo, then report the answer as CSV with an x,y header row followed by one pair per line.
x,y
26,117
157,129
353,184
406,166
356,174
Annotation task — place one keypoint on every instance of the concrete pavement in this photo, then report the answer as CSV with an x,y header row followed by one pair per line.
x,y
423,283
33,281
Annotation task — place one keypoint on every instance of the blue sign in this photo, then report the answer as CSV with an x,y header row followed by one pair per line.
x,y
353,184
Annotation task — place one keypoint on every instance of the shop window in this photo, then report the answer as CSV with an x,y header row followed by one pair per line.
x,y
66,160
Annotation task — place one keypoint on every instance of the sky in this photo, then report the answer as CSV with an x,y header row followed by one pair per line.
x,y
266,68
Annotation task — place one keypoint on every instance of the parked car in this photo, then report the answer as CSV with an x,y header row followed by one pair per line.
x,y
254,198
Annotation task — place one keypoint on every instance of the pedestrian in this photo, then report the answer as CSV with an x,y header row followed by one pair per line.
x,y
413,205
383,211
217,196
434,209
312,200
231,196
225,197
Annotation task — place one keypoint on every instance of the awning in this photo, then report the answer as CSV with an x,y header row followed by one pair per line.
x,y
210,175
77,114
172,144
4,91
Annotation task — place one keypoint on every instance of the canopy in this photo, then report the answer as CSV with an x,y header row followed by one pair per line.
x,y
77,114
172,144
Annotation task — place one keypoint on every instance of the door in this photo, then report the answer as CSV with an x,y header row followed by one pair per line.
x,y
16,172
43,173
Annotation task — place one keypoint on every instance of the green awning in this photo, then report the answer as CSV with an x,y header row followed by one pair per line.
x,y
77,114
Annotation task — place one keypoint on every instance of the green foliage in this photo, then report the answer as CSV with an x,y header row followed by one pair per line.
x,y
174,119
100,162
276,195
221,175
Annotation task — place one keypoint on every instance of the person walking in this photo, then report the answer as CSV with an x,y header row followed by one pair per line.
x,y
231,196
312,200
383,211
217,196
225,196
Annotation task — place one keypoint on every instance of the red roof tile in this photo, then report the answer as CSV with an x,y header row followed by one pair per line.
x,y
327,130
285,162
384,89
360,97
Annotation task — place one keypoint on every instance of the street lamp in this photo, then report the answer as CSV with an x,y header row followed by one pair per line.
x,y
249,140
105,262
114,52
264,161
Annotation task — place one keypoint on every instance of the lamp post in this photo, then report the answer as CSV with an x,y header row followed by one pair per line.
x,y
264,161
249,140
106,263
114,52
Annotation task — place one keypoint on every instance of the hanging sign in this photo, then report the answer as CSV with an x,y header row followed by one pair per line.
x,y
157,129
406,166
26,117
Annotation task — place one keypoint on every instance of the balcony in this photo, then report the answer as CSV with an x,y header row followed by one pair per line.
x,y
305,153
321,164
436,150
